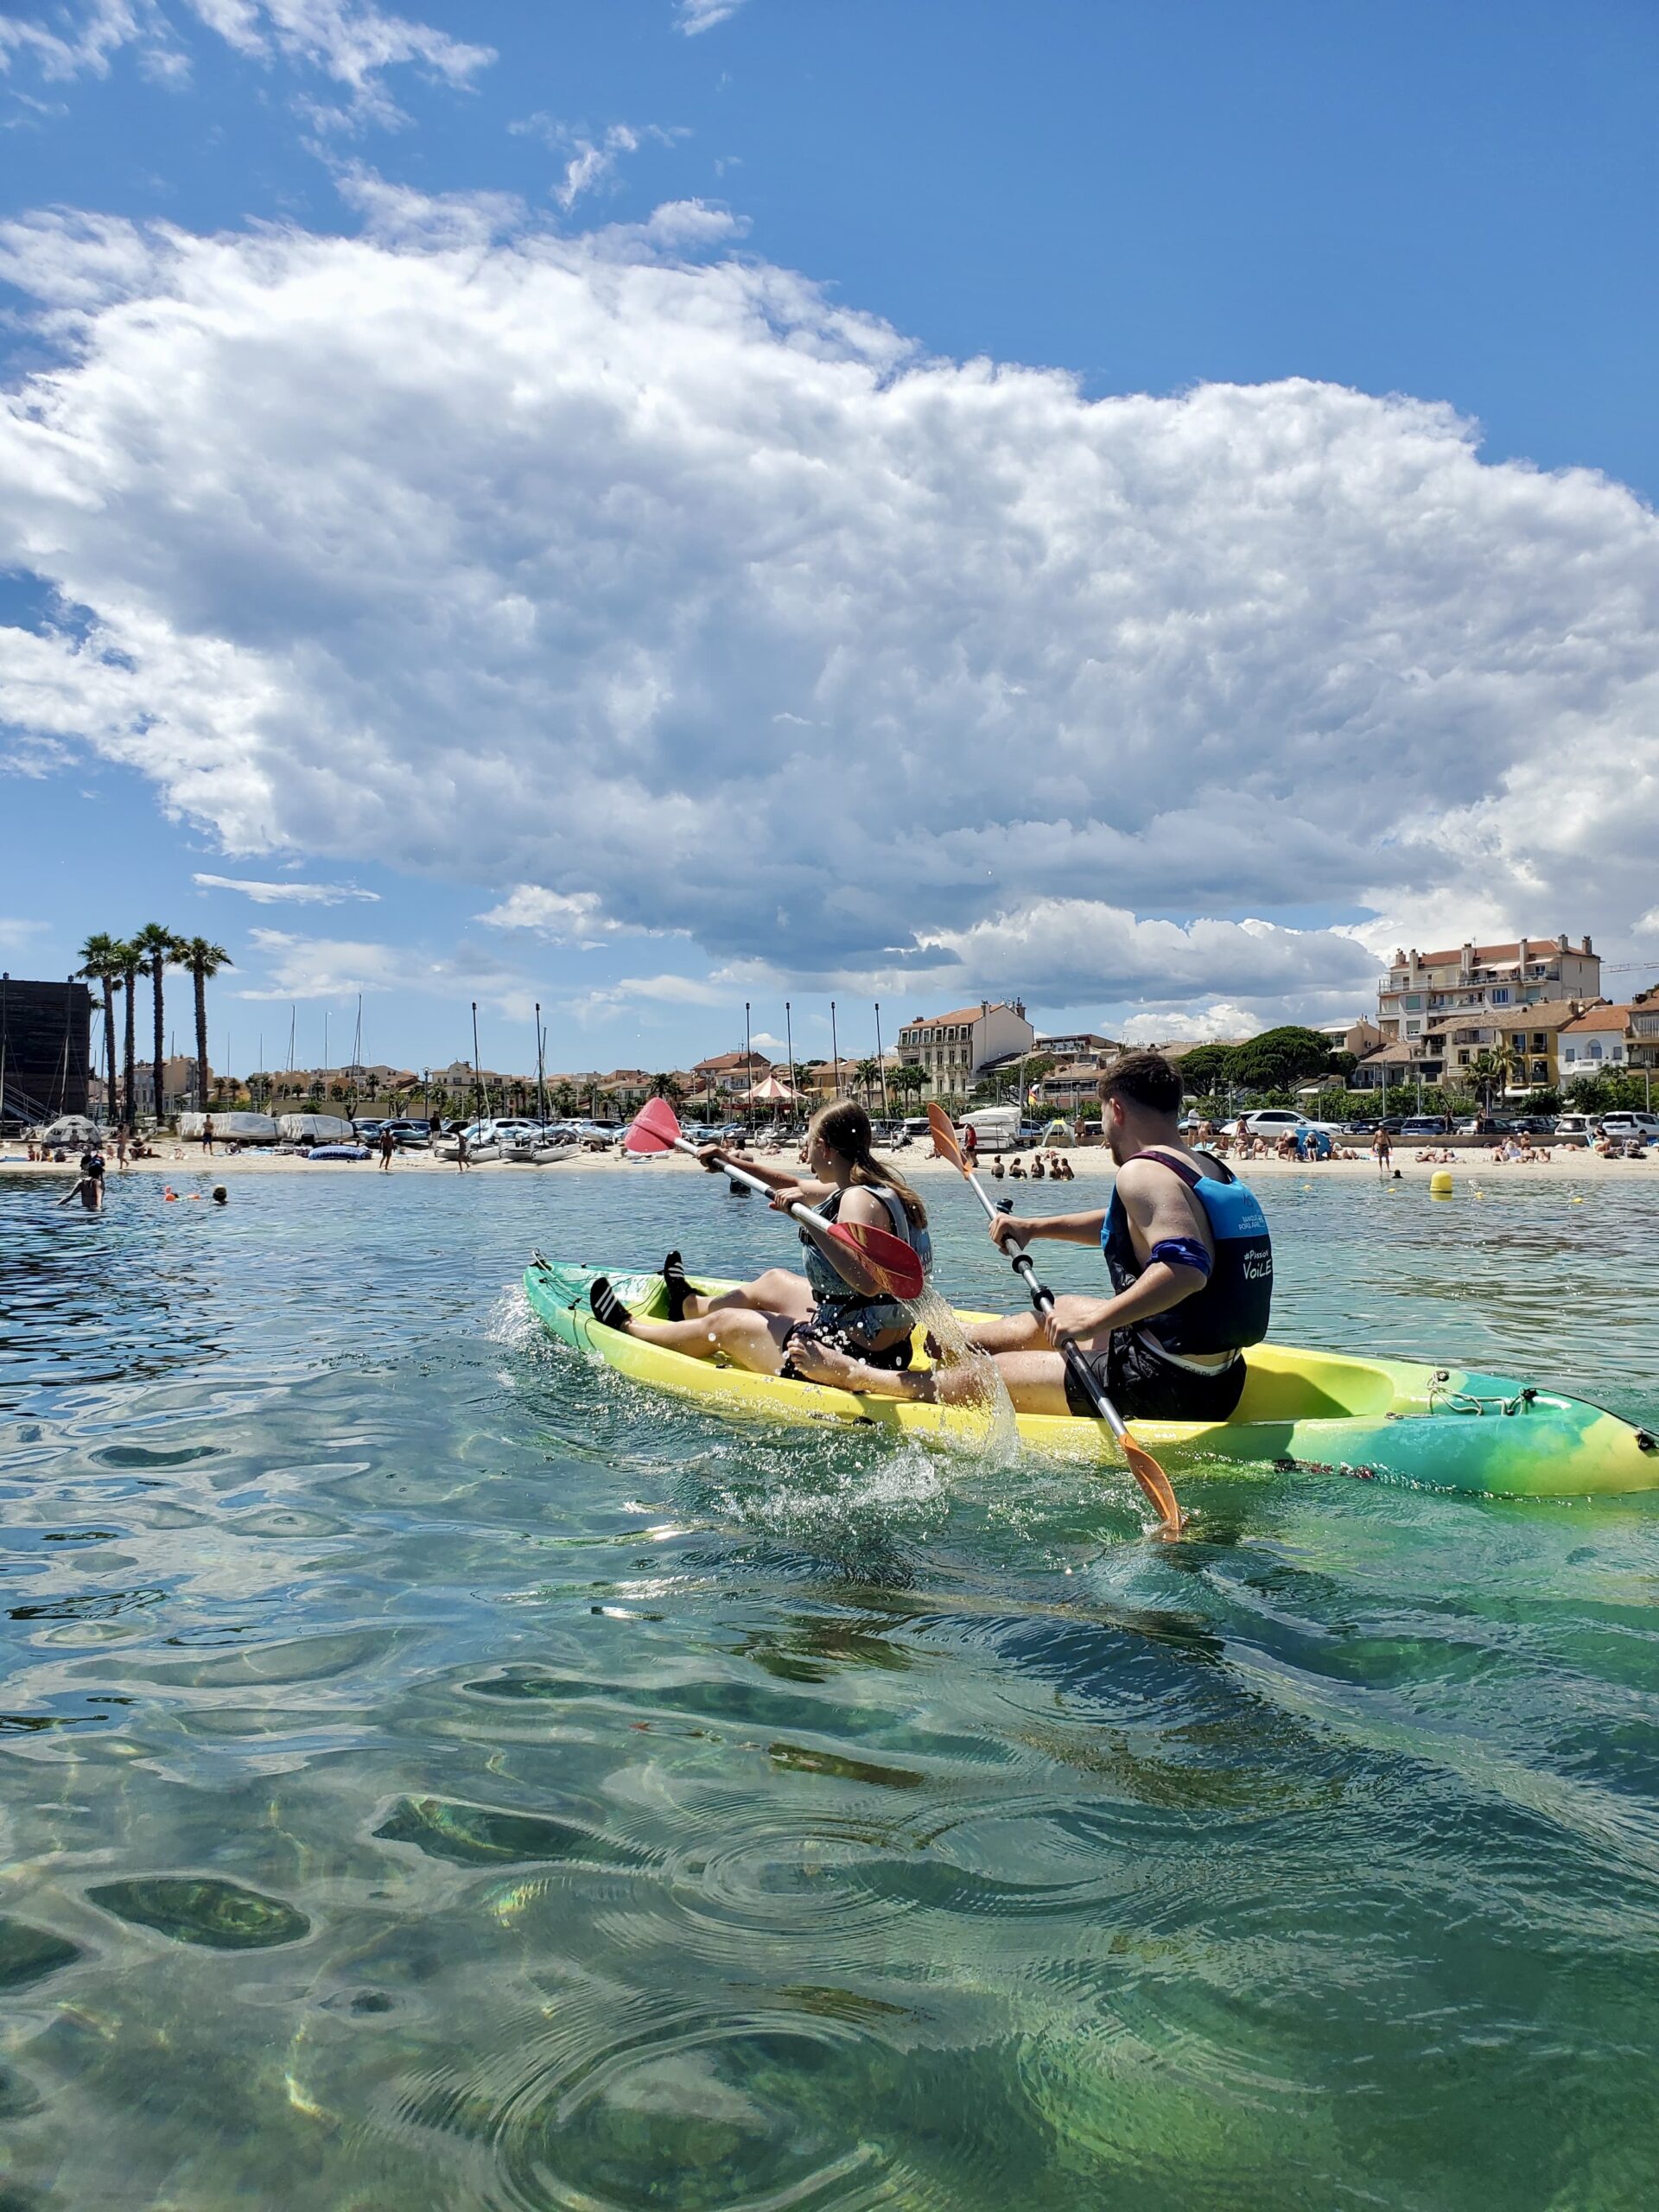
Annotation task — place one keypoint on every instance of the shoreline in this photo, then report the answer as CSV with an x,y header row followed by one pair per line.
x,y
1093,1165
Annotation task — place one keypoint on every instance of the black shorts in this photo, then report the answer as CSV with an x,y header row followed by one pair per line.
x,y
1145,1388
892,1359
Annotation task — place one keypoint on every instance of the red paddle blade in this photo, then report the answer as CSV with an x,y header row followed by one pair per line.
x,y
655,1128
895,1267
946,1142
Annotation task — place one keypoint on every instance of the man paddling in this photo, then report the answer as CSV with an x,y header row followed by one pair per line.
x,y
1187,1249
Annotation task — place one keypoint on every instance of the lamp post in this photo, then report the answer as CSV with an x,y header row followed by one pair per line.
x,y
882,1065
748,1074
835,1050
789,1048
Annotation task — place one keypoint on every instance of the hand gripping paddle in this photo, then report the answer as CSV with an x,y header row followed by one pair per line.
x,y
1145,1469
879,1259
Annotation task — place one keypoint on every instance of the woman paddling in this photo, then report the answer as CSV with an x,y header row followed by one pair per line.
x,y
758,1325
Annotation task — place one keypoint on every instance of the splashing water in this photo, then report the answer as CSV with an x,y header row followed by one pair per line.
x,y
994,1435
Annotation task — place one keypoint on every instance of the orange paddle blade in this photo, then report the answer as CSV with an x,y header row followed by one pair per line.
x,y
655,1128
1155,1482
895,1266
945,1139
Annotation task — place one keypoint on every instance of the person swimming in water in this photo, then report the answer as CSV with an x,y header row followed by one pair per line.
x,y
89,1189
764,1325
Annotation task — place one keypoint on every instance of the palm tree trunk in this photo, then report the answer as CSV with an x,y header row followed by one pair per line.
x,y
108,982
201,1035
159,1039
130,1059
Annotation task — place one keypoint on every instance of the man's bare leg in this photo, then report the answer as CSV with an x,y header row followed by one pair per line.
x,y
1015,1332
1035,1380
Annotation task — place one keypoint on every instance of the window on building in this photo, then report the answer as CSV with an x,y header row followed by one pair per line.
x,y
1500,998
1595,1051
1414,1029
1569,1051
1539,1042
1413,1002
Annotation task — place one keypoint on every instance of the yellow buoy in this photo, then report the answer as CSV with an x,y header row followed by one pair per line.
x,y
1439,1184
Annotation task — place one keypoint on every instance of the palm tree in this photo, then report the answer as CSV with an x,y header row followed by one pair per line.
x,y
866,1072
130,961
203,961
158,950
100,962
663,1086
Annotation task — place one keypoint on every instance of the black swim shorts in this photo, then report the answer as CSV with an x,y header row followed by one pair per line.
x,y
1143,1386
893,1359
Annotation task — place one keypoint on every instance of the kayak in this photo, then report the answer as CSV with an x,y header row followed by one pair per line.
x,y
1393,1420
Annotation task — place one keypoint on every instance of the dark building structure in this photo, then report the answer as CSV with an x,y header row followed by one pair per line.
x,y
45,1037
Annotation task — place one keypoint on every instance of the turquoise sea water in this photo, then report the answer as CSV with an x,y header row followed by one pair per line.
x,y
434,1773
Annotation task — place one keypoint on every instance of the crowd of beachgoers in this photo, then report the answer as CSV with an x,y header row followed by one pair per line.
x,y
166,1155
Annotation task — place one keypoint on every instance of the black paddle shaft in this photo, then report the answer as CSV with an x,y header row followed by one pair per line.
x,y
1043,1299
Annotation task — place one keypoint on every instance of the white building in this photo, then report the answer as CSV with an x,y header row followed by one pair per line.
x,y
955,1047
1485,978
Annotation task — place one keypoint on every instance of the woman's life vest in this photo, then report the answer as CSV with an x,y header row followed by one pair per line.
x,y
1232,1309
839,1305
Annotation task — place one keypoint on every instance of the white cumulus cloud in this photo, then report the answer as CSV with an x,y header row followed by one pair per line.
x,y
695,16
592,563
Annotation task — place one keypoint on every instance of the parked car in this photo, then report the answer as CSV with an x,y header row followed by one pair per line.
x,y
1575,1129
368,1132
1274,1120
1645,1125
1426,1125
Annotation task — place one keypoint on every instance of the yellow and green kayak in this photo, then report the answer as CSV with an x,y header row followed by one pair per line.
x,y
1387,1420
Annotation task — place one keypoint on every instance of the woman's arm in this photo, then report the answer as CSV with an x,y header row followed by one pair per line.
x,y
715,1156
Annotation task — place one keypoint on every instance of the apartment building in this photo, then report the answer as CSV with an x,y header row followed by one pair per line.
x,y
1492,979
956,1048
730,1075
1611,1039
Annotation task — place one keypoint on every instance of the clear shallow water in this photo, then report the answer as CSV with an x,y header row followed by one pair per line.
x,y
434,1773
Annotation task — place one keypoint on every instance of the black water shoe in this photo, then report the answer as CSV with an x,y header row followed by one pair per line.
x,y
608,1309
678,1289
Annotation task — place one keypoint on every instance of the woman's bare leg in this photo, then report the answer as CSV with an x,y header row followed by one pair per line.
x,y
777,1291
751,1341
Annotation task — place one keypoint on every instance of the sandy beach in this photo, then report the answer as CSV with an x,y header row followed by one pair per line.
x,y
1092,1167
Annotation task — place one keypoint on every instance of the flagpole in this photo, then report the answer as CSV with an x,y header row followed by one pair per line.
x,y
835,1050
882,1065
789,1047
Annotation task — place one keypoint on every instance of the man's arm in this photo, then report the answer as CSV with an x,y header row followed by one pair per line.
x,y
1009,1229
1159,1210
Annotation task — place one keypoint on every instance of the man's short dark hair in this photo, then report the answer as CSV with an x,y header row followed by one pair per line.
x,y
1146,1079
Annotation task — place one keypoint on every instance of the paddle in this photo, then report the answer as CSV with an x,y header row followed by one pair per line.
x,y
880,1260
1145,1469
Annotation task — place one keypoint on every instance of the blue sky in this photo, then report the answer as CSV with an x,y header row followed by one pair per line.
x,y
642,611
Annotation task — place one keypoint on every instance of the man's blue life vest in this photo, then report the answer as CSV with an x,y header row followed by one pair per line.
x,y
1232,1309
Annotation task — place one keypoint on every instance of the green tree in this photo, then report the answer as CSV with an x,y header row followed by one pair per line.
x,y
665,1086
203,961
866,1072
101,964
1279,1059
1207,1070
158,950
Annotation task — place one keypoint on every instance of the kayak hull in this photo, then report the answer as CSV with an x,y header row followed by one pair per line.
x,y
1390,1420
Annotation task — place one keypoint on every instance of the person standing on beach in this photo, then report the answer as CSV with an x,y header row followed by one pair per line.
x,y
388,1145
207,1136
463,1151
1383,1150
